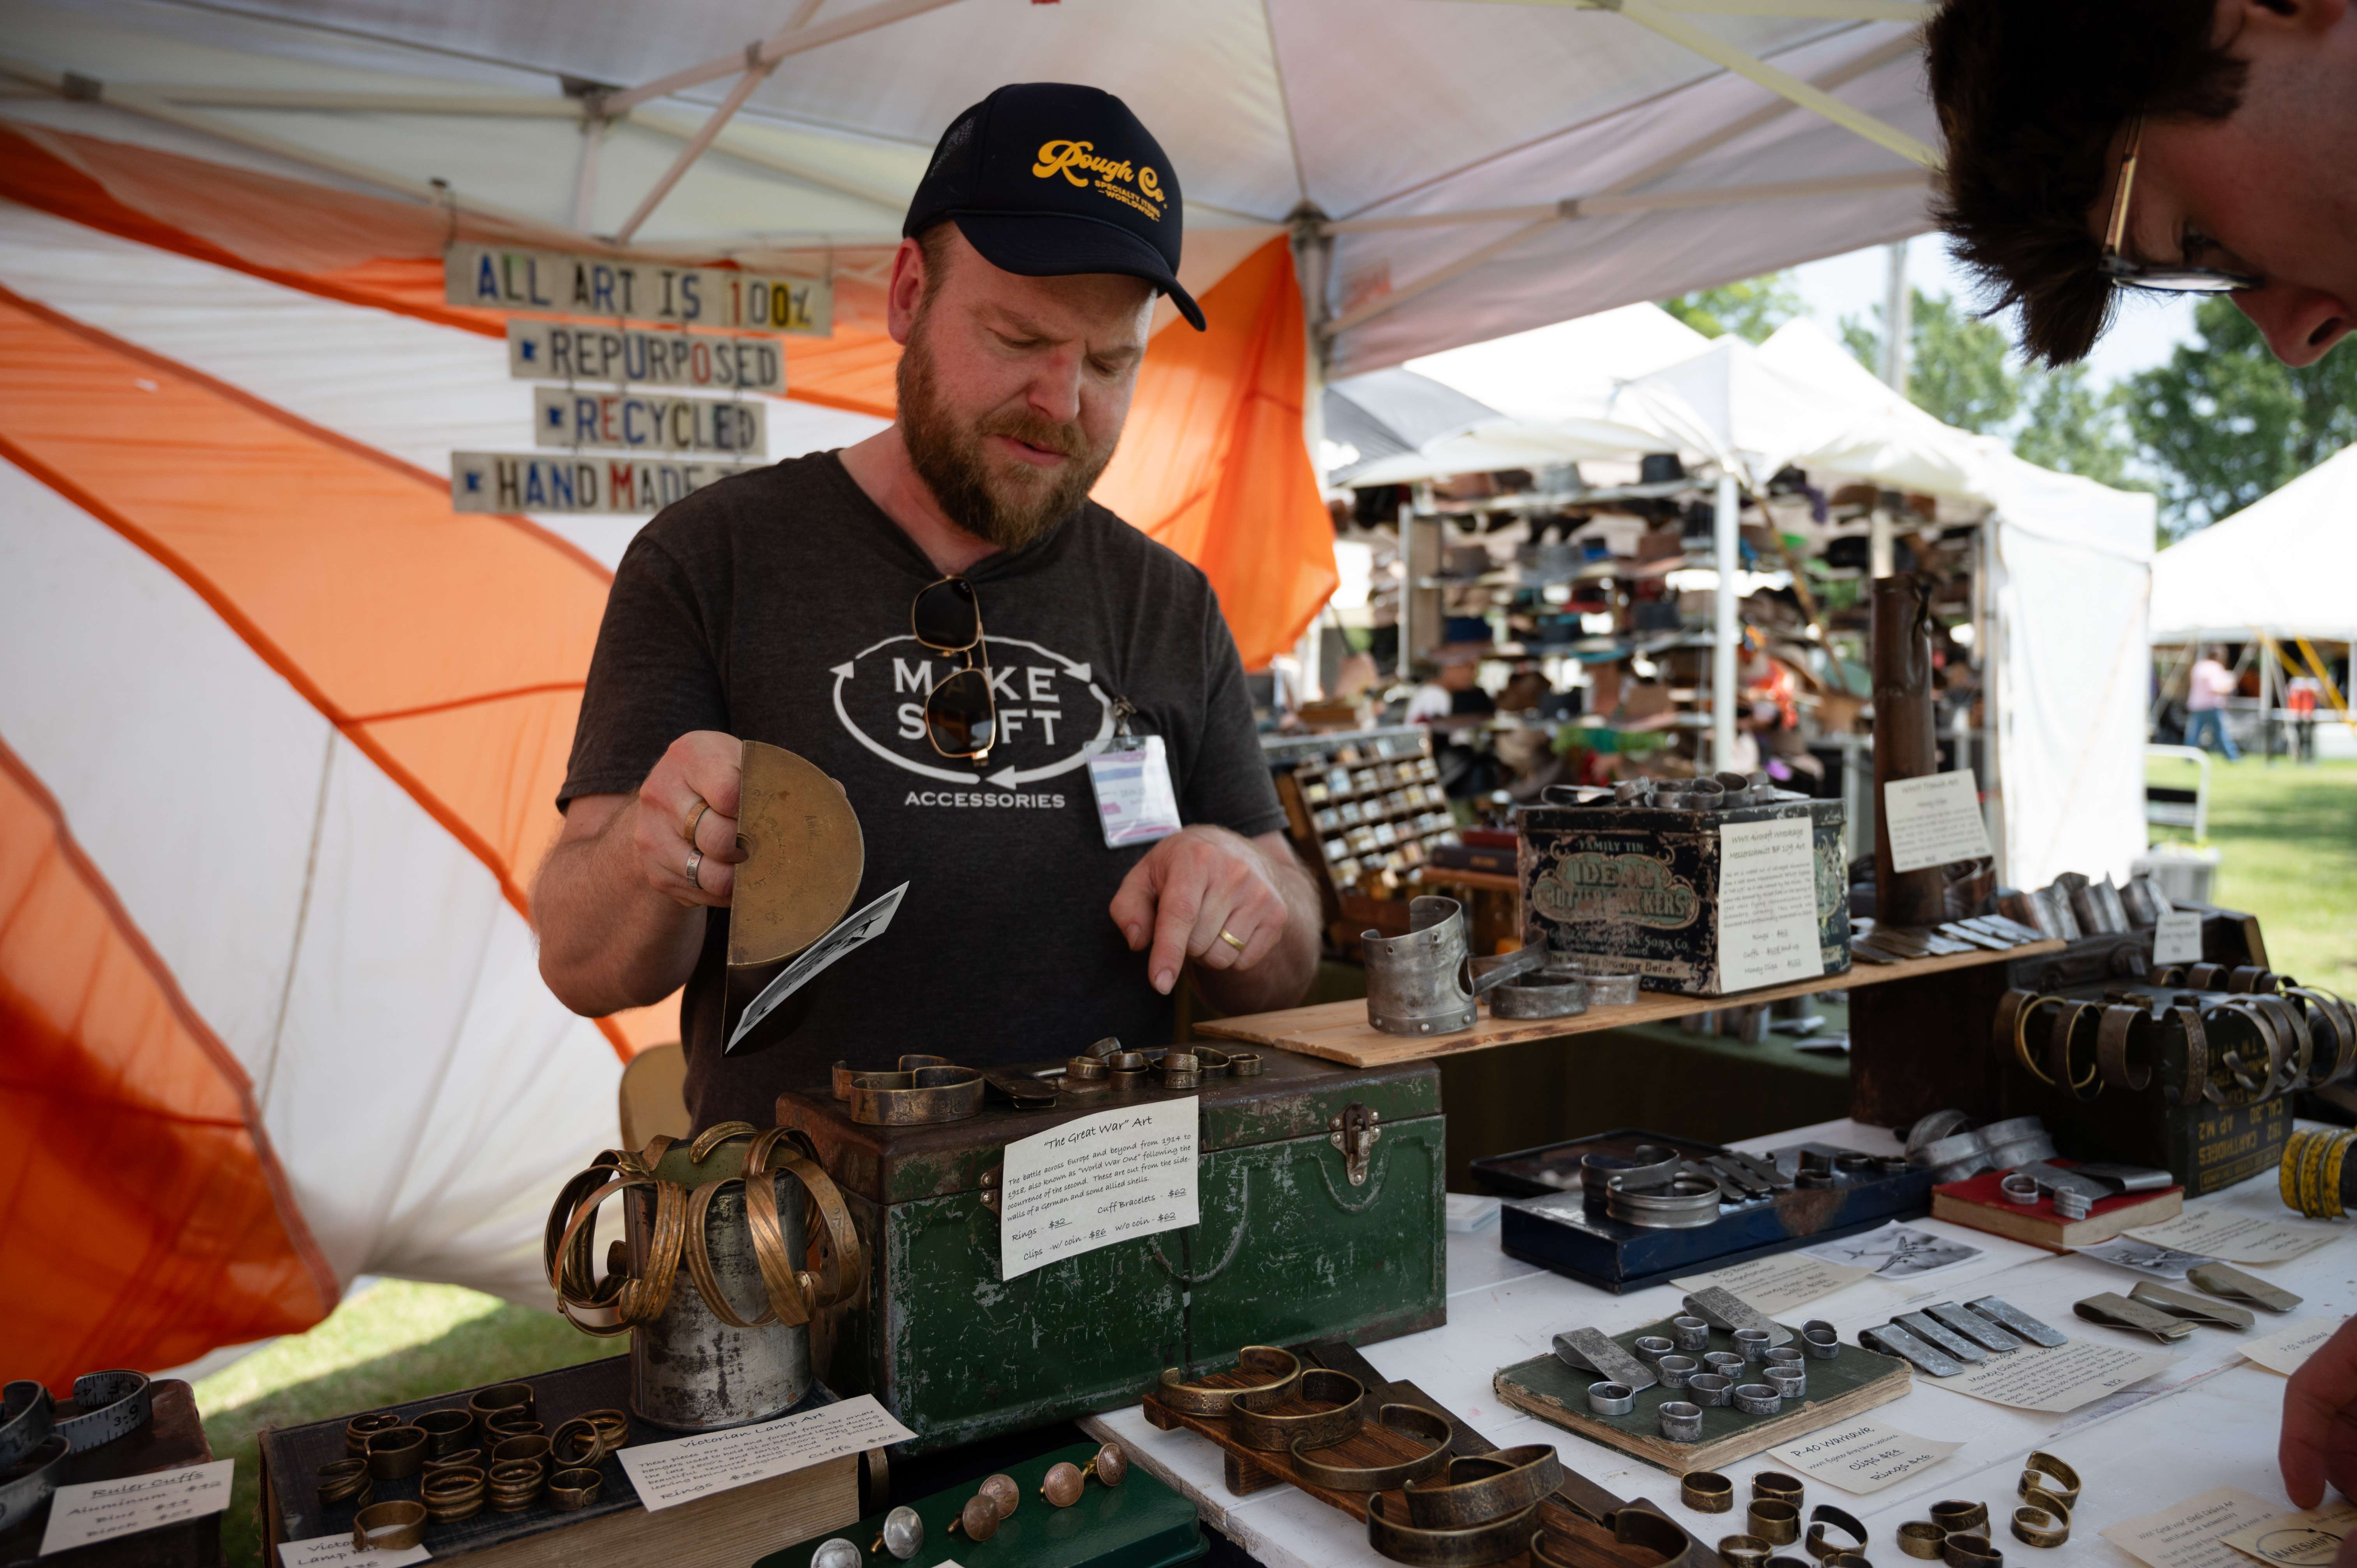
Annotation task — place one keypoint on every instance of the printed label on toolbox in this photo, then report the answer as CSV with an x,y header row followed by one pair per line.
x,y
1100,1179
513,278
633,355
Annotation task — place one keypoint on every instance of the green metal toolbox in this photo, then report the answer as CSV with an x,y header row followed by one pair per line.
x,y
1320,1188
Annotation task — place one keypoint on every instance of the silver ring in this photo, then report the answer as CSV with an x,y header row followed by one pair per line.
x,y
2018,1188
1651,1348
1611,1399
695,869
1710,1388
1820,1340
1758,1399
1681,1420
1726,1362
1782,1355
1691,1333
1611,990
1752,1344
1790,1382
1674,1371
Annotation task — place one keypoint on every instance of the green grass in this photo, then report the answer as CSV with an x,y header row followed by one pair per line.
x,y
2287,835
396,1340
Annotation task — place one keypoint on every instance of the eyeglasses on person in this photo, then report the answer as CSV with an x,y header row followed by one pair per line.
x,y
961,714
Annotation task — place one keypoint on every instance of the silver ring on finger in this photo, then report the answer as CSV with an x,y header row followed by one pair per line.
x,y
695,869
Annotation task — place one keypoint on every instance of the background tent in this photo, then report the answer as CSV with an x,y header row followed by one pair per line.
x,y
2284,565
280,731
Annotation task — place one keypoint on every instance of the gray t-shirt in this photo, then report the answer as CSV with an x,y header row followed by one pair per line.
x,y
774,605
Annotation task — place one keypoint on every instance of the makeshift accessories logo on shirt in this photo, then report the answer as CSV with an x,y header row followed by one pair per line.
x,y
1053,717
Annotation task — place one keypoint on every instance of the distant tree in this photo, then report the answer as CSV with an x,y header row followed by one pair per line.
x,y
2225,422
1956,368
1750,309
2072,429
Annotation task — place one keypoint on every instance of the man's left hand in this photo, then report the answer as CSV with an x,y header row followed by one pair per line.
x,y
1192,887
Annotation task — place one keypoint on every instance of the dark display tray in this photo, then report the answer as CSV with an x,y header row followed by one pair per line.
x,y
1562,1232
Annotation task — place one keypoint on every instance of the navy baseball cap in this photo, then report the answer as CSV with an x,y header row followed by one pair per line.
x,y
1048,179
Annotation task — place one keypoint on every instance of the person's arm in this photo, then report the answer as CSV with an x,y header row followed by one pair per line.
x,y
620,922
1201,881
2319,1422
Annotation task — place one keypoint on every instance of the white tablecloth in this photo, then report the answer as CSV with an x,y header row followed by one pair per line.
x,y
2208,1419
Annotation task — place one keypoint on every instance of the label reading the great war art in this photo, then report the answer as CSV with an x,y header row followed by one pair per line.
x,y
1095,1181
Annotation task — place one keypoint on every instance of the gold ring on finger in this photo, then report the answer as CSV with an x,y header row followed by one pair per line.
x,y
1230,938
696,815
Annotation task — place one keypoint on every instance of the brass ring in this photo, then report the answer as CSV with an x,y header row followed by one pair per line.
x,y
1969,1549
613,1425
1825,1514
342,1480
1743,1551
459,1461
1474,1489
361,1428
1229,937
1255,1427
1776,1521
2044,1464
2039,1497
396,1452
532,1446
593,1445
696,815
388,1527
445,1430
574,1488
1410,1420
2196,1055
1777,1485
2040,1527
1921,1538
1276,1368
489,1402
1957,1517
1706,1491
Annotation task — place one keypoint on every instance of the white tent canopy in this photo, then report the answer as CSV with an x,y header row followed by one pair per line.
x,y
2286,565
1485,167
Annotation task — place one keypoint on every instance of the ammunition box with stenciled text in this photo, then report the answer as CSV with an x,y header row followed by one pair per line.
x,y
1638,887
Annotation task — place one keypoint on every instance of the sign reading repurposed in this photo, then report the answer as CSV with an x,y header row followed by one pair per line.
x,y
647,421
514,481
511,277
633,355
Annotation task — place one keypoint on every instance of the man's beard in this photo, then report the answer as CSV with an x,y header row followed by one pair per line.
x,y
1009,503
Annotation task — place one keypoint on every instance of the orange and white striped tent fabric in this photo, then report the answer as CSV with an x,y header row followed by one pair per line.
x,y
281,733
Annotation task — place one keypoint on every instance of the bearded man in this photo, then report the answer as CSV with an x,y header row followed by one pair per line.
x,y
941,621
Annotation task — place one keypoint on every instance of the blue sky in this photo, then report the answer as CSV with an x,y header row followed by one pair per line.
x,y
1853,284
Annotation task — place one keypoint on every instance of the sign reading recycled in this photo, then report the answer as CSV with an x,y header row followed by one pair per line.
x,y
647,421
508,277
566,351
504,481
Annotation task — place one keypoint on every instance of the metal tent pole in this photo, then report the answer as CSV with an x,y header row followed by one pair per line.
x,y
1723,691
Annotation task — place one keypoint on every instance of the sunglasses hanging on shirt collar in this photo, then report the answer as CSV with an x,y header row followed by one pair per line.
x,y
960,715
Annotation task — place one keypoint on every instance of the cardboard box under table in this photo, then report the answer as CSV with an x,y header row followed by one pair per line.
x,y
1637,888
1852,1380
1290,1246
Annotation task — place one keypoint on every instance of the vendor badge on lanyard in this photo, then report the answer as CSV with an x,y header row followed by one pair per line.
x,y
1135,804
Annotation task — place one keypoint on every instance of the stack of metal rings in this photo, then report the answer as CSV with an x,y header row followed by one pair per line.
x,y
1684,1202
345,1481
361,1428
453,1492
579,1443
515,1484
2315,1168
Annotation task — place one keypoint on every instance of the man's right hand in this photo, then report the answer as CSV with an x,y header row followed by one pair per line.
x,y
703,767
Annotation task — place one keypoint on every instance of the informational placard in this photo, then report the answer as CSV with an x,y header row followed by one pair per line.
x,y
1934,819
1095,1181
2192,1534
2055,1381
1768,902
2161,1261
633,355
1862,1455
647,421
2239,1238
100,1510
1899,1253
2311,1539
686,1469
2177,938
1781,1283
2288,1350
512,277
338,1552
521,481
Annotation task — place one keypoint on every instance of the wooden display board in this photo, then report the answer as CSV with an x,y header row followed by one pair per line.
x,y
1853,1381
1338,1031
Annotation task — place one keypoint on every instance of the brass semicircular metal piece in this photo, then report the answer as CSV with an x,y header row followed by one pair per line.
x,y
803,857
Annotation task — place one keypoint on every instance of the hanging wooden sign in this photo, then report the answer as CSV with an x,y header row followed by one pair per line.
x,y
509,277
564,351
647,421
570,482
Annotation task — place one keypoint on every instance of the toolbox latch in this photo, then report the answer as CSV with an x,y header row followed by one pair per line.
x,y
1354,1132
990,1188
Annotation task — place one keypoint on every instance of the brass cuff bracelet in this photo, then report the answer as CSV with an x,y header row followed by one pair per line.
x,y
1475,1489
396,1452
1409,1420
1255,1427
1277,1370
1493,1542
